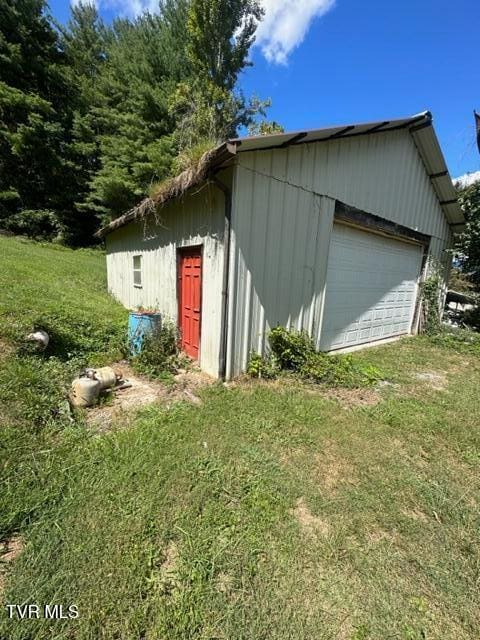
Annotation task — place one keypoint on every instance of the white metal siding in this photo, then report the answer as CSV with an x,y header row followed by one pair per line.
x,y
371,288
194,220
282,218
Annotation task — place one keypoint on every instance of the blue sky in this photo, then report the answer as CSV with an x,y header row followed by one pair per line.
x,y
328,62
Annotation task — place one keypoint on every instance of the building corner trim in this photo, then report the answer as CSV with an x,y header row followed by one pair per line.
x,y
227,193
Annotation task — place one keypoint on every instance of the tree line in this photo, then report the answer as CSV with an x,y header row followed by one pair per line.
x,y
91,114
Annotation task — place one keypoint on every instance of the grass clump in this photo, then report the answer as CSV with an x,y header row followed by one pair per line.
x,y
456,339
263,367
294,351
344,371
160,356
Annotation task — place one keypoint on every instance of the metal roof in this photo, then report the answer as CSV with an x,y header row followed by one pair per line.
x,y
420,126
421,129
254,143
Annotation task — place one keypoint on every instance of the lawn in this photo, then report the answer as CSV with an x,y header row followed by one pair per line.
x,y
274,510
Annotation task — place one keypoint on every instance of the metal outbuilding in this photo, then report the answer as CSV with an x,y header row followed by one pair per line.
x,y
328,230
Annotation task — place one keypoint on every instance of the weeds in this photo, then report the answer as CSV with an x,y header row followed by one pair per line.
x,y
460,340
430,292
294,351
160,355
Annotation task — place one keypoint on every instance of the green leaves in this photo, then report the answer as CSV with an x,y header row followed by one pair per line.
x,y
294,351
468,243
91,115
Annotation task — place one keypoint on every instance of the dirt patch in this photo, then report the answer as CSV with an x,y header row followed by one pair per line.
x,y
310,524
378,535
9,551
333,470
224,583
415,514
328,469
143,392
434,379
350,398
6,349
170,560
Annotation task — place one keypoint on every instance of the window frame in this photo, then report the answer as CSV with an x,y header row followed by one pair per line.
x,y
137,271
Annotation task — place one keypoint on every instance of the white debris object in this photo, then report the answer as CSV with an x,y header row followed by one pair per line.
x,y
40,337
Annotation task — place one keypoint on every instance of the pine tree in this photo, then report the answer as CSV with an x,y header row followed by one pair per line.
x,y
146,60
33,120
85,40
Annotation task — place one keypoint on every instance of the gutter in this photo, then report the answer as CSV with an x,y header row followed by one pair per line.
x,y
225,278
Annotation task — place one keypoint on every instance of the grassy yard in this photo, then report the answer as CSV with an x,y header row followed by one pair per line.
x,y
272,511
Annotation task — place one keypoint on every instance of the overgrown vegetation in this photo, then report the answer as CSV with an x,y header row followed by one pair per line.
x,y
91,114
430,292
160,354
294,351
459,340
467,245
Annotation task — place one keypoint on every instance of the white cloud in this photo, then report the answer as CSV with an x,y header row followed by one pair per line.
x,y
285,25
127,8
283,28
74,3
132,8
468,178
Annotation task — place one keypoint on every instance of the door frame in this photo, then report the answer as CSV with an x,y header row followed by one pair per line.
x,y
181,251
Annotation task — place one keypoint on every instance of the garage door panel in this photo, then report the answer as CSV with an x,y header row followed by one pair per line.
x,y
371,288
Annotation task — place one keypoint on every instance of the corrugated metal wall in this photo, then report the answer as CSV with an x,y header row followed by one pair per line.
x,y
194,220
282,219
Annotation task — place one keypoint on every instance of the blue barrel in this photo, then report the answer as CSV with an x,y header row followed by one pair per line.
x,y
139,325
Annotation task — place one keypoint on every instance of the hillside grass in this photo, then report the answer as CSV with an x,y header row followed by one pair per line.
x,y
273,510
44,286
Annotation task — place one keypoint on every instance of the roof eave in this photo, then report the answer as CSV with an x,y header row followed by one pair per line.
x,y
420,127
217,157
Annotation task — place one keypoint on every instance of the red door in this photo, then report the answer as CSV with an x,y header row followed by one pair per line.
x,y
190,299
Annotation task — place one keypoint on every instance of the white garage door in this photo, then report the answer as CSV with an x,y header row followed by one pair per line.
x,y
371,288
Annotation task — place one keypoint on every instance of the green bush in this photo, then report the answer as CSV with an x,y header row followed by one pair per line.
x,y
160,355
294,351
291,348
342,371
259,367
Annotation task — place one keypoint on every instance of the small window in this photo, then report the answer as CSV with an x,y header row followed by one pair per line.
x,y
137,271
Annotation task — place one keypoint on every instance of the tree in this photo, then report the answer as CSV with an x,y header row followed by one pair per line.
x,y
91,115
85,41
34,116
265,128
220,34
468,243
146,59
